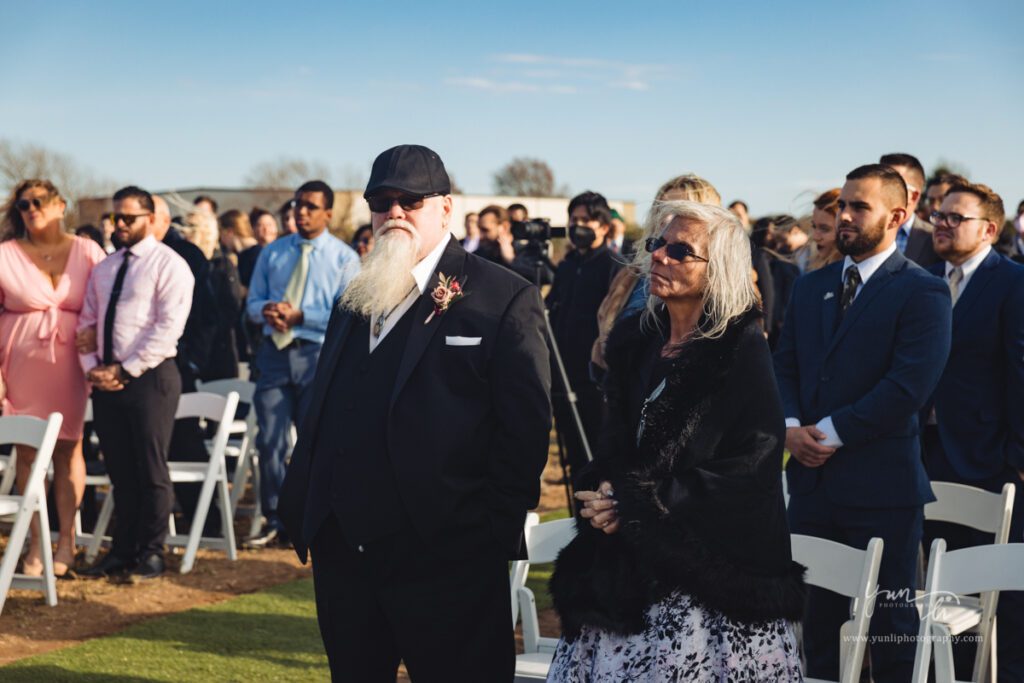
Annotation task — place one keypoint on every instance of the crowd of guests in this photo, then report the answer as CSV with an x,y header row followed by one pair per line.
x,y
879,340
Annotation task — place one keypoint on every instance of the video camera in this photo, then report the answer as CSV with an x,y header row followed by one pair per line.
x,y
536,231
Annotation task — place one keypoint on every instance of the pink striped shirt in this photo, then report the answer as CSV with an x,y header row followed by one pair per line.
x,y
156,297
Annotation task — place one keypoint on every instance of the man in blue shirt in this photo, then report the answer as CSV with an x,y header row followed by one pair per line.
x,y
294,286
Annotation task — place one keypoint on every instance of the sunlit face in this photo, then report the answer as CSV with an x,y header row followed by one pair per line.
x,y
430,221
312,215
865,223
133,222
967,239
49,211
266,229
823,230
490,227
363,243
934,196
673,280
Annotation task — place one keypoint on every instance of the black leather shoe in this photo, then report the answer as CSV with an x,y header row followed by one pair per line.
x,y
271,538
150,567
110,565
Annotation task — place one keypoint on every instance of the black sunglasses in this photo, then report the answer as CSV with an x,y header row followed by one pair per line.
x,y
127,218
408,202
26,204
677,251
953,220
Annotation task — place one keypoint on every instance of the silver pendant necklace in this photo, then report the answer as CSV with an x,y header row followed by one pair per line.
x,y
378,324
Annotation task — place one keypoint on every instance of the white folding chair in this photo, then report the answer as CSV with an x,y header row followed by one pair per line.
x,y
985,569
987,512
850,572
92,541
7,472
212,474
241,445
41,435
543,543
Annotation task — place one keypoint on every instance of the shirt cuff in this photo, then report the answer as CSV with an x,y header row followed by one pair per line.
x,y
134,367
831,439
88,361
792,422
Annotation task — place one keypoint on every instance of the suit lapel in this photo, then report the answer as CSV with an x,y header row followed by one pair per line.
x,y
830,306
981,277
452,263
334,342
878,281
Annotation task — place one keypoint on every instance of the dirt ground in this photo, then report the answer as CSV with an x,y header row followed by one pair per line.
x,y
89,609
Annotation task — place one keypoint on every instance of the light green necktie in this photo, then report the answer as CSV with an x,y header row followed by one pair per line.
x,y
293,293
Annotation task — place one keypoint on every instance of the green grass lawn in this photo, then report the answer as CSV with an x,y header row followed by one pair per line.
x,y
267,636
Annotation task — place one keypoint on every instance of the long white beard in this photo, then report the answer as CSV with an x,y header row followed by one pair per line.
x,y
385,276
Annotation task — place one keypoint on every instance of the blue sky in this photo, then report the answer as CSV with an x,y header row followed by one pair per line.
x,y
771,101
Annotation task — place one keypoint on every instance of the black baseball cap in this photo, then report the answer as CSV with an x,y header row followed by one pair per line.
x,y
414,169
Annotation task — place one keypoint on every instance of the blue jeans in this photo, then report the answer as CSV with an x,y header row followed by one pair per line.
x,y
282,398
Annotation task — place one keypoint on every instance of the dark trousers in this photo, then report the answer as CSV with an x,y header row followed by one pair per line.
x,y
445,612
1010,610
134,426
895,613
188,444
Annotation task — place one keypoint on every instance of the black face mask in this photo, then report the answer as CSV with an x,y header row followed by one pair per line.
x,y
582,236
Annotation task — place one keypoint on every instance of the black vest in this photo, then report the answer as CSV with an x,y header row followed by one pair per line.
x,y
351,465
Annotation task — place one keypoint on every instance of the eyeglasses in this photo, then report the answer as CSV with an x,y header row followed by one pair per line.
x,y
408,202
127,218
953,220
26,204
677,251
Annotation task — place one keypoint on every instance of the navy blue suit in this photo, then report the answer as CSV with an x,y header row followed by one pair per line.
x,y
872,371
979,436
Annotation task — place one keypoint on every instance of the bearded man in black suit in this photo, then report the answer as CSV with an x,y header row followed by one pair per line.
x,y
423,446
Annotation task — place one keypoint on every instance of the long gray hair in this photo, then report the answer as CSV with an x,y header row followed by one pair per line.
x,y
729,288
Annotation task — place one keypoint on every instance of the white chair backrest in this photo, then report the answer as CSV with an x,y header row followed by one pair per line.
x,y
220,409
832,565
245,390
972,507
978,569
544,541
88,411
34,433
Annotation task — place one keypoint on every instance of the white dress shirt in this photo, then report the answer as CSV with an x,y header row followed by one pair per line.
x,y
867,268
421,273
968,267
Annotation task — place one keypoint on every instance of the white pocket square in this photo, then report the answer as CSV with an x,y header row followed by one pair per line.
x,y
829,295
463,341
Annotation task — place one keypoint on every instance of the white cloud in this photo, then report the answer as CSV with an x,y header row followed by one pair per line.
x,y
498,86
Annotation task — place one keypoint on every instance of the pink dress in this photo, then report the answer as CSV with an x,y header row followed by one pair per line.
x,y
37,335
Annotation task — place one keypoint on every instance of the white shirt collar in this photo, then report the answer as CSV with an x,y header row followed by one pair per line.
x,y
909,225
868,266
142,247
970,265
422,271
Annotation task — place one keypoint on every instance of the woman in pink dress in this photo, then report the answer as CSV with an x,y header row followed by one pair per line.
x,y
43,274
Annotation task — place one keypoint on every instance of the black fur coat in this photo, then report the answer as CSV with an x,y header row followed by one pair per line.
x,y
700,498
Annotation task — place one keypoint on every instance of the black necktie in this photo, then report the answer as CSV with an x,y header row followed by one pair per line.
x,y
851,281
108,321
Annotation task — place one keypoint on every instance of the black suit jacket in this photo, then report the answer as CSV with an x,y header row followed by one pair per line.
x,y
468,426
919,244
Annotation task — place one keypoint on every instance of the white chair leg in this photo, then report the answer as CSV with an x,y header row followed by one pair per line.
x,y
102,522
198,522
12,553
239,480
227,519
46,549
257,513
993,663
942,649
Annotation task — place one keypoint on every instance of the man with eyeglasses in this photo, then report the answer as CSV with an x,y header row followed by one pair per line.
x,y
914,237
136,305
974,431
423,446
296,281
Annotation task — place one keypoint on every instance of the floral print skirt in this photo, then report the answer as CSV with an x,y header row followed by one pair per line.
x,y
683,641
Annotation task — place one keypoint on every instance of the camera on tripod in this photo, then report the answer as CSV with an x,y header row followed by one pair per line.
x,y
536,231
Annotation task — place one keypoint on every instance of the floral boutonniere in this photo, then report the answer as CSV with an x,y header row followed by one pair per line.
x,y
447,292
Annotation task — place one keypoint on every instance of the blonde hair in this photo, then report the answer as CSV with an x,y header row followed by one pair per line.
x,y
201,230
729,290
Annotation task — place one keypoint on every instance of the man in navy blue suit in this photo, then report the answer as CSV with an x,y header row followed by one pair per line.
x,y
861,350
975,435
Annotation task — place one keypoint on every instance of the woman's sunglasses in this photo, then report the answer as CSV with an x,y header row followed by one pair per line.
x,y
26,204
677,251
408,202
